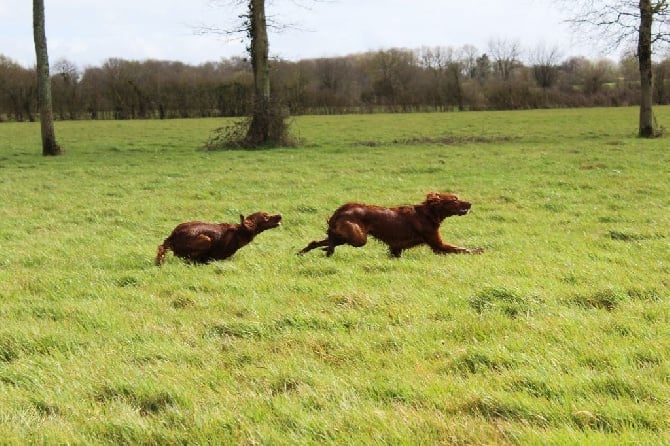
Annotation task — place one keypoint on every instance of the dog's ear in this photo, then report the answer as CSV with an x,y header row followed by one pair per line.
x,y
249,224
430,212
432,197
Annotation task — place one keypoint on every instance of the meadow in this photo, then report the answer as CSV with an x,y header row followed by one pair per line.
x,y
559,333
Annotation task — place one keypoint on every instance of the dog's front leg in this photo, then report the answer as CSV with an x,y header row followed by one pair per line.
x,y
439,247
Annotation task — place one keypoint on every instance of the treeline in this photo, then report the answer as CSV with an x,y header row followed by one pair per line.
x,y
426,79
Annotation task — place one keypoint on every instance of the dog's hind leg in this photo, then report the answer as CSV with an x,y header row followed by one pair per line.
x,y
313,245
327,244
335,240
350,233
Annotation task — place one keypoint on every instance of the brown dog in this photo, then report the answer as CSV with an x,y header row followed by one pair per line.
x,y
401,227
202,242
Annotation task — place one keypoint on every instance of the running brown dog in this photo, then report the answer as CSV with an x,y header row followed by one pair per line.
x,y
401,227
201,242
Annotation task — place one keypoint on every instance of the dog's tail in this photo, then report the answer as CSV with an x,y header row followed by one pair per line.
x,y
162,249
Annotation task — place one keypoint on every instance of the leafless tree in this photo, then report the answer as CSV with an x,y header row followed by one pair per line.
x,y
17,90
470,55
64,89
621,21
266,126
49,145
545,61
259,128
505,55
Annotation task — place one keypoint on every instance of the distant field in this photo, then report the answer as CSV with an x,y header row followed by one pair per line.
x,y
558,334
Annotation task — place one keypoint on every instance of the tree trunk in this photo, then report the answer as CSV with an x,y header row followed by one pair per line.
x,y
259,128
456,72
644,56
49,145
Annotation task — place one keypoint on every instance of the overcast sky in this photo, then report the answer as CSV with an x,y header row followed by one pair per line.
x,y
87,32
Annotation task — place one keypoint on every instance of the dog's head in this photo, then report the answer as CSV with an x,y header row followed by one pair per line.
x,y
446,205
259,222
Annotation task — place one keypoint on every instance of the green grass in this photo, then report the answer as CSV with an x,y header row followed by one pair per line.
x,y
558,334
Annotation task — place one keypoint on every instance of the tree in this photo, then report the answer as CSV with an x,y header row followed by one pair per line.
x,y
259,128
391,73
661,75
644,55
17,90
620,21
49,145
545,66
65,89
505,55
267,125
482,68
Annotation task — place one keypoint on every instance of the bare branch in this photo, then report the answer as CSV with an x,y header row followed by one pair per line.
x,y
616,23
238,27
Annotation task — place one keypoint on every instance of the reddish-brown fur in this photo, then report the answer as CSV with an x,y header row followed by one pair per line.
x,y
202,242
401,227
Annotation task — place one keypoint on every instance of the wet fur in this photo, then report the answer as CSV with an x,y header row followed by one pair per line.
x,y
201,242
400,227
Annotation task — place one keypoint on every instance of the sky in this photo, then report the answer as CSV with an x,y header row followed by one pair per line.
x,y
88,32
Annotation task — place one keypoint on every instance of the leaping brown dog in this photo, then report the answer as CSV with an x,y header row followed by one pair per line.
x,y
401,227
201,242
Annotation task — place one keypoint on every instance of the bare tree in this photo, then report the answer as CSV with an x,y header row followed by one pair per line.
x,y
17,90
505,55
621,21
64,89
259,128
49,145
545,65
266,126
470,55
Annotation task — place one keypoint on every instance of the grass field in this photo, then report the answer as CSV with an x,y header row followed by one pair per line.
x,y
558,334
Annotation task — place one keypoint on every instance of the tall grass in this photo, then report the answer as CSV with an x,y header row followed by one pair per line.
x,y
559,333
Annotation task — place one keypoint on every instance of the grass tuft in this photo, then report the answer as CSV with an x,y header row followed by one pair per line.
x,y
500,299
608,299
537,388
495,409
146,400
478,362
